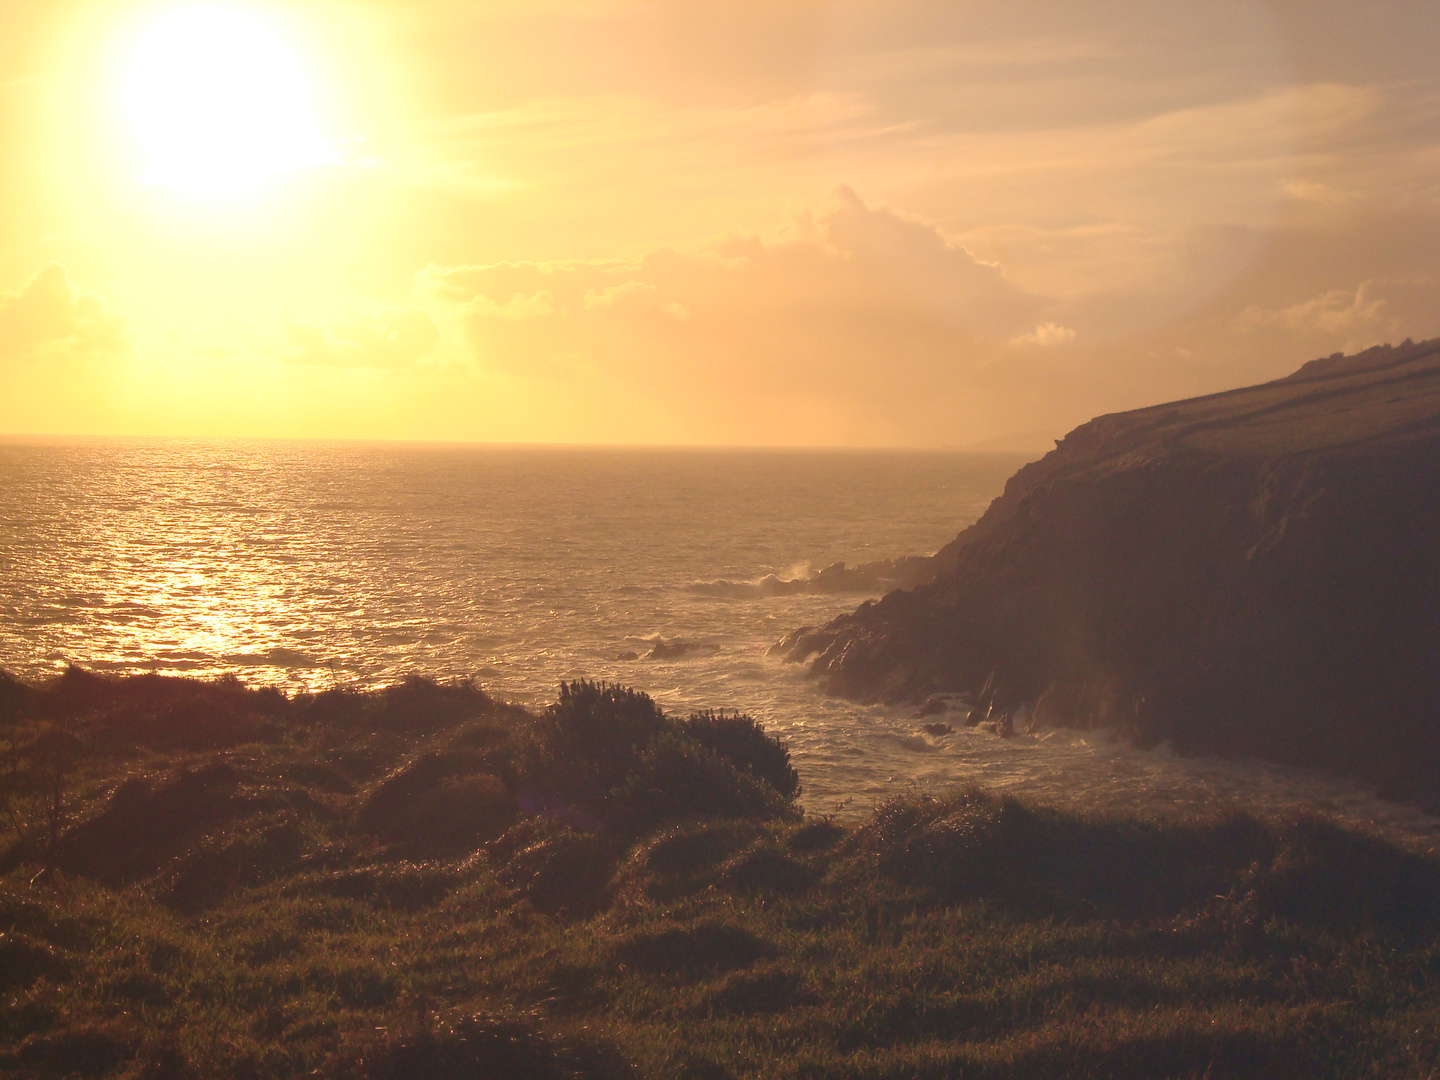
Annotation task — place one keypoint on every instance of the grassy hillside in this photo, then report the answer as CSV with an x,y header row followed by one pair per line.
x,y
203,879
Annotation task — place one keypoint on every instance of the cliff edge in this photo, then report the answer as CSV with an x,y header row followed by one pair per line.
x,y
1255,572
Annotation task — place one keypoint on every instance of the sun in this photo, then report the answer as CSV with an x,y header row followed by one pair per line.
x,y
219,102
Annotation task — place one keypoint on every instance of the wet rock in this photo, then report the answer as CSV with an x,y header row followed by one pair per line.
x,y
675,650
933,705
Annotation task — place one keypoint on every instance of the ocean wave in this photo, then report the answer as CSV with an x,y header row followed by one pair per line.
x,y
278,658
871,577
769,585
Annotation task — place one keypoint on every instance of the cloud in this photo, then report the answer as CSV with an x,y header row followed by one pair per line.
x,y
518,307
855,308
846,271
396,339
1045,334
879,325
1347,317
634,297
51,316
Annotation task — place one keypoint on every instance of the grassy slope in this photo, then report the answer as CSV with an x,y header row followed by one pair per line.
x,y
255,886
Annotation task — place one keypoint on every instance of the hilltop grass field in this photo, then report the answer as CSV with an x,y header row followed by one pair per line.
x,y
201,879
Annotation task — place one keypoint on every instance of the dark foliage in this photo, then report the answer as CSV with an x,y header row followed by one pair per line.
x,y
1322,874
493,1048
742,741
143,826
438,802
23,960
767,869
1042,860
85,1051
693,846
402,887
768,988
815,836
420,704
589,740
614,755
707,946
308,907
165,713
212,872
555,867
677,777
687,858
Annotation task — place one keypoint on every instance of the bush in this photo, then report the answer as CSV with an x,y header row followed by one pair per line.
x,y
693,847
419,704
212,872
743,742
677,777
613,755
587,743
770,988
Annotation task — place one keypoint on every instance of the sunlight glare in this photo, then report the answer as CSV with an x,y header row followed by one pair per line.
x,y
219,102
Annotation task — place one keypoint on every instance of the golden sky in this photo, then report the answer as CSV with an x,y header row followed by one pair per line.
x,y
861,222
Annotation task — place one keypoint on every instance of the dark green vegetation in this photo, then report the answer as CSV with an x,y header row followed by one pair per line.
x,y
1253,573
207,880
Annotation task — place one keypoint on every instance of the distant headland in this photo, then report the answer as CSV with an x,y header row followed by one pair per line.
x,y
1253,572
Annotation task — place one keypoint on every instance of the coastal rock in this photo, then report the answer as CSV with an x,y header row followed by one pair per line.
x,y
1255,572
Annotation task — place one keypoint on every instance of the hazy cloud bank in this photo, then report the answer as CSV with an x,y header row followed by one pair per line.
x,y
51,315
395,339
875,320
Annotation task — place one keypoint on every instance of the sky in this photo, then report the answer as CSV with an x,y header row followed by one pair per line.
x,y
927,223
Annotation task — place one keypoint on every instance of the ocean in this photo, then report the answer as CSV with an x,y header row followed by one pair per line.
x,y
307,564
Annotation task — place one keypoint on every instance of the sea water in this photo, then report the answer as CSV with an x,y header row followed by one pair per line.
x,y
307,564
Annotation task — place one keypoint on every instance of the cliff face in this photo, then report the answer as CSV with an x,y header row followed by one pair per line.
x,y
1252,573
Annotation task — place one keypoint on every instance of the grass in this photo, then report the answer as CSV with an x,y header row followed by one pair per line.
x,y
423,882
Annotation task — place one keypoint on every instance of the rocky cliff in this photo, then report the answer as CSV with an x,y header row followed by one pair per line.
x,y
1250,573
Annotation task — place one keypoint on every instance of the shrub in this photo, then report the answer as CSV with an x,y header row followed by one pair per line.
x,y
607,754
677,777
692,847
401,887
420,704
742,741
815,836
586,744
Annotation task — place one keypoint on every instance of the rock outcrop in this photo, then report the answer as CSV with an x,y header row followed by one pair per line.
x,y
1255,572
